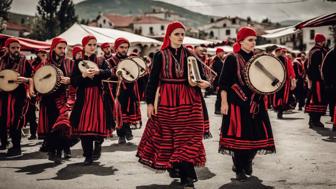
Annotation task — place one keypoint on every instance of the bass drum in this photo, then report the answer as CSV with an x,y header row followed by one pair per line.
x,y
128,70
265,74
47,79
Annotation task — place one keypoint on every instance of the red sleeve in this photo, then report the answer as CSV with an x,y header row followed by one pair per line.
x,y
290,69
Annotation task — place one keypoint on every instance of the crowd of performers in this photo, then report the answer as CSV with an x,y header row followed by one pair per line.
x,y
88,110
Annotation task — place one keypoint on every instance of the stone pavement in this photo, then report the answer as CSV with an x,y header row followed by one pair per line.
x,y
305,158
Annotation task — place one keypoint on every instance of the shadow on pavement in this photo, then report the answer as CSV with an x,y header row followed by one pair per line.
x,y
252,182
203,173
75,170
292,118
173,185
34,169
326,132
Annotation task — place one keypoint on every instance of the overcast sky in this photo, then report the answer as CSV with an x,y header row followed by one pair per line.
x,y
276,10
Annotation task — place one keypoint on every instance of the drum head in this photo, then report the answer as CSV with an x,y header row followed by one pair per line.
x,y
84,65
128,69
7,80
265,74
142,65
45,79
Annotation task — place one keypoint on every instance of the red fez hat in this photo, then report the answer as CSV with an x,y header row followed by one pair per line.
x,y
105,45
171,27
76,50
86,39
243,33
120,41
11,40
54,43
189,47
219,50
319,38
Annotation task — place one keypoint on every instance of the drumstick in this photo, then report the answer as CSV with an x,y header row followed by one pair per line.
x,y
275,81
45,77
109,81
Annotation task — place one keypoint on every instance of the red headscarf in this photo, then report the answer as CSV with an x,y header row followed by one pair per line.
x,y
75,50
241,35
86,39
11,40
120,41
171,27
54,43
219,50
319,38
105,45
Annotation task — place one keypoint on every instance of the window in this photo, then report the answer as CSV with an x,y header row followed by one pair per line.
x,y
151,30
233,21
228,32
211,34
224,25
104,21
312,34
162,27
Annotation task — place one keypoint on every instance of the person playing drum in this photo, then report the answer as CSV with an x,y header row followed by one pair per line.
x,y
128,99
92,115
246,127
54,125
14,104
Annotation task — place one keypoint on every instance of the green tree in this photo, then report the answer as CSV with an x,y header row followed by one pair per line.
x,y
54,17
5,5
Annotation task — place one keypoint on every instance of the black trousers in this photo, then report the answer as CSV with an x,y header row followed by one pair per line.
x,y
331,100
15,134
124,130
242,159
218,102
87,144
3,132
315,117
186,171
31,119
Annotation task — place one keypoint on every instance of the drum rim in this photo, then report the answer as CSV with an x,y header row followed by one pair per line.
x,y
248,81
79,66
143,60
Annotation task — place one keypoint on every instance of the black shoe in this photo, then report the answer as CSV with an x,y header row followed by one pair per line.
x,y
129,135
32,137
97,152
88,161
279,115
58,157
248,169
188,183
122,140
207,135
14,153
234,169
67,154
174,173
241,176
44,147
218,112
300,108
51,156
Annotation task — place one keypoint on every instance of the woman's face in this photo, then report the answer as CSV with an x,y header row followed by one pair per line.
x,y
90,47
248,43
176,37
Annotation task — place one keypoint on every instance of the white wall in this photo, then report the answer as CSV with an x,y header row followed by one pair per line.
x,y
103,22
145,29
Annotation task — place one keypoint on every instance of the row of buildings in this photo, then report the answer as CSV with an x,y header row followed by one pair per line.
x,y
153,24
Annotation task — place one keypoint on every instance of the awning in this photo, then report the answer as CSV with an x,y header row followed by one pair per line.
x,y
27,44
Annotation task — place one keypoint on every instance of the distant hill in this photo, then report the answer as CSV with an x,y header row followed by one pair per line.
x,y
289,22
90,9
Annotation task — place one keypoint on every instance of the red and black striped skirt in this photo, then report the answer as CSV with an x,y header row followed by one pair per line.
x,y
316,100
175,133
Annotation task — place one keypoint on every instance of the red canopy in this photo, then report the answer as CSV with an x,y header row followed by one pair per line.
x,y
27,44
324,20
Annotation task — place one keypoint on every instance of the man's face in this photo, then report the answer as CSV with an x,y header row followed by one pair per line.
x,y
107,51
42,55
60,49
14,49
200,51
123,49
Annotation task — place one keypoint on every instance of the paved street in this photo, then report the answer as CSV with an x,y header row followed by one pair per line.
x,y
305,158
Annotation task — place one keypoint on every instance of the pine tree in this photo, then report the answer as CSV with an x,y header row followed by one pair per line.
x,y
66,15
54,17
